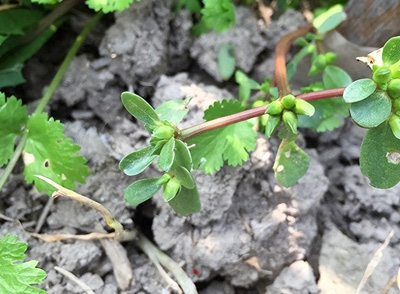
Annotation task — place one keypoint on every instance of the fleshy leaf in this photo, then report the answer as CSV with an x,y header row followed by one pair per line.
x,y
136,162
335,77
359,90
167,155
380,157
13,117
185,177
50,154
230,144
182,155
17,277
142,190
391,51
291,163
139,108
171,189
245,86
173,111
186,202
226,61
372,111
330,19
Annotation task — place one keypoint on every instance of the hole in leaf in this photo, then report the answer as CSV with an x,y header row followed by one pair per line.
x,y
46,163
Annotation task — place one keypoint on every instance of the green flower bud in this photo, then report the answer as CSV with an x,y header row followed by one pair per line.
x,y
274,108
395,68
290,120
271,125
288,101
396,104
330,57
317,65
381,75
304,108
394,88
171,189
394,123
163,132
163,179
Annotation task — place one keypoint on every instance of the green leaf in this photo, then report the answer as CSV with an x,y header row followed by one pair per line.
x,y
193,6
226,61
359,90
171,189
291,163
185,177
50,154
218,14
182,155
142,190
15,21
372,111
17,276
139,108
186,202
173,111
330,19
11,77
136,162
391,51
13,117
109,5
245,86
167,155
335,77
292,65
230,144
379,158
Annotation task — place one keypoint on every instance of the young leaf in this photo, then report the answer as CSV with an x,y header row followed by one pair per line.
x,y
171,189
11,77
330,19
226,61
139,108
218,14
359,90
380,157
335,77
187,201
245,86
173,111
185,177
142,190
291,163
182,155
231,143
13,117
167,155
109,5
49,153
17,277
15,21
372,111
391,51
136,162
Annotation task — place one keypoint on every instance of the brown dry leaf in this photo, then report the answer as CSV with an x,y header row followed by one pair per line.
x,y
253,261
374,58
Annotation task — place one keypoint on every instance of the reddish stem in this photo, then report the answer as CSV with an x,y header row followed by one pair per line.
x,y
224,121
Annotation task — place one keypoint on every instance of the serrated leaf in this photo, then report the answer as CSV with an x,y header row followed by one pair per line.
x,y
359,90
139,108
218,14
230,144
379,157
185,177
391,51
15,21
372,111
182,155
109,5
136,162
186,202
330,19
17,277
167,155
142,190
49,153
13,117
226,62
291,163
173,111
335,77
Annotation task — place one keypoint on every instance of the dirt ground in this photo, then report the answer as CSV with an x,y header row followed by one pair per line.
x,y
251,236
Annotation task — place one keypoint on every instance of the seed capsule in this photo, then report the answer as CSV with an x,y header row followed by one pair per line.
x,y
394,88
394,123
330,57
271,125
304,108
163,132
288,101
171,189
290,120
381,75
274,108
